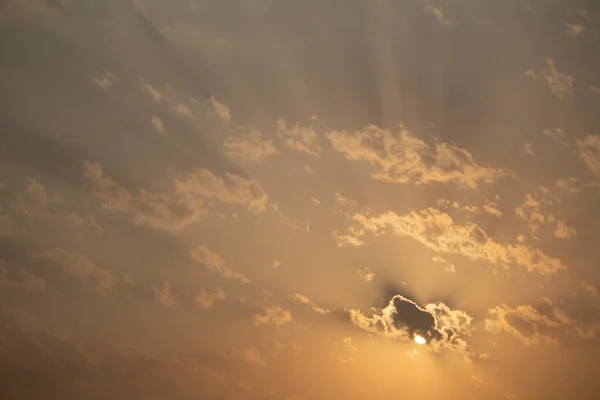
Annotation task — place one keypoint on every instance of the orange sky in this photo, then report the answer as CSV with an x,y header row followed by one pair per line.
x,y
271,199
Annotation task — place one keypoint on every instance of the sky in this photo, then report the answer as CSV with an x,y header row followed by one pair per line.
x,y
299,199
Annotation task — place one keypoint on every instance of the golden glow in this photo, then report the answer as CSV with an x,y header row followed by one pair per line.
x,y
420,340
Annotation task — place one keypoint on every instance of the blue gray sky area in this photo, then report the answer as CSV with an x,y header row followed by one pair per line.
x,y
299,199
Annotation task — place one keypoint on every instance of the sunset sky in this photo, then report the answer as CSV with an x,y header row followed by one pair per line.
x,y
299,199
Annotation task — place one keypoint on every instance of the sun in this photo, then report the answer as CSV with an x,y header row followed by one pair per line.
x,y
420,339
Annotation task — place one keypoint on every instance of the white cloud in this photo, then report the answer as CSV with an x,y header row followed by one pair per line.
x,y
438,232
305,300
561,84
438,13
574,30
183,110
448,267
250,355
527,149
526,323
249,146
164,295
158,125
563,231
403,158
208,300
589,151
213,262
80,267
299,138
104,80
220,110
273,314
154,93
365,274
191,197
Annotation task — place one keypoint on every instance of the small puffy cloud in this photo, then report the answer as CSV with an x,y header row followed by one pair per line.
x,y
574,30
104,80
213,262
560,83
590,289
187,203
23,279
316,201
163,295
403,319
491,207
273,314
365,274
249,146
438,13
182,109
220,110
155,94
158,125
527,149
36,202
526,323
79,266
300,298
208,300
438,232
299,138
449,268
250,355
589,151
563,231
403,158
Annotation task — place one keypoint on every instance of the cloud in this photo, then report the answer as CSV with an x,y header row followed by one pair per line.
x,y
273,314
590,289
183,110
249,146
36,202
561,84
403,158
491,207
104,80
595,89
220,110
158,125
187,203
527,149
526,323
213,262
250,355
438,232
299,138
403,319
589,151
438,13
154,93
449,268
163,295
23,279
557,134
365,274
574,30
563,231
79,266
208,300
305,300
